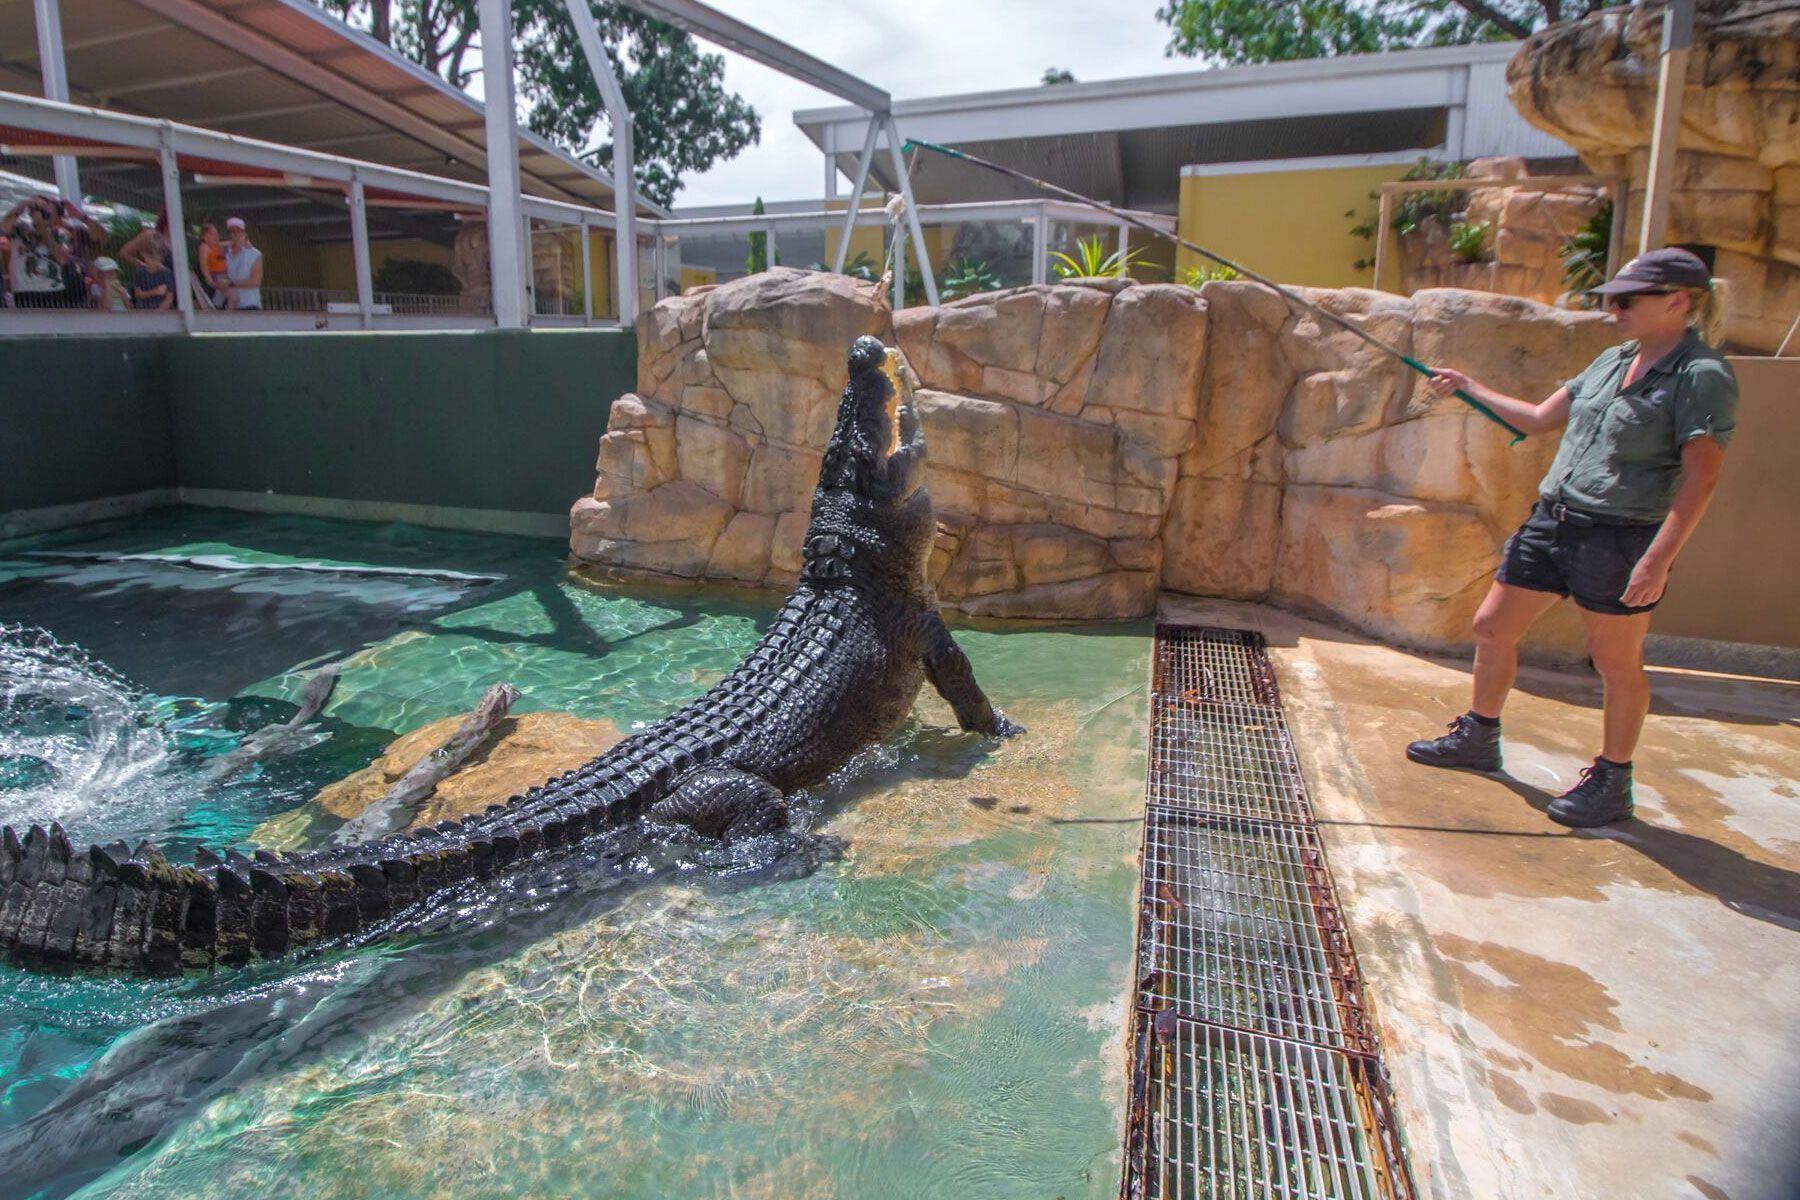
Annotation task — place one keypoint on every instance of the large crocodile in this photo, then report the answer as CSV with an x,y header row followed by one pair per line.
x,y
837,671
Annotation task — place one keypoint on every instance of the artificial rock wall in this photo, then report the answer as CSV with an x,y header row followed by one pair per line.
x,y
1592,83
1091,443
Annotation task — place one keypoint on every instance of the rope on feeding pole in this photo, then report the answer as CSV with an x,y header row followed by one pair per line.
x,y
1288,294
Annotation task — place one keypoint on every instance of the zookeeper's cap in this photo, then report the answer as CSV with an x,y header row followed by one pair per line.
x,y
238,223
1656,270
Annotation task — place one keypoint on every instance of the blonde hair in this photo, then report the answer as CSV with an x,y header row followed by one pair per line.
x,y
1706,310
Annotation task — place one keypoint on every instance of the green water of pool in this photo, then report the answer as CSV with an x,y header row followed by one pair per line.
x,y
937,1011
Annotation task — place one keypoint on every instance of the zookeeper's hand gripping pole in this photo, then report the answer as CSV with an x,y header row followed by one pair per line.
x,y
1287,294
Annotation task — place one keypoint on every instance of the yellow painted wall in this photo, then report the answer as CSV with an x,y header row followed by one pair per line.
x,y
600,256
1288,225
288,261
864,239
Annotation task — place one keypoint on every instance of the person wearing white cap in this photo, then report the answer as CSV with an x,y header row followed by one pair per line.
x,y
1648,422
243,268
109,291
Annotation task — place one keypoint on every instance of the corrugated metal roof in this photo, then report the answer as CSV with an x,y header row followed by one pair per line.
x,y
280,71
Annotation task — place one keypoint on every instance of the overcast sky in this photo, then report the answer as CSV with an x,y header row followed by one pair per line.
x,y
915,48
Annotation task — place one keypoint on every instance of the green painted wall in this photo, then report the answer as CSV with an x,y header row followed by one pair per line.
x,y
490,420
494,421
82,418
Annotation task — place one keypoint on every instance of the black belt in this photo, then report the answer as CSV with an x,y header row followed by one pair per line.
x,y
1558,511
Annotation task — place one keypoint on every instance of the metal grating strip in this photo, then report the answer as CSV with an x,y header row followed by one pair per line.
x,y
1213,664
1238,1114
1224,758
1256,1069
1230,930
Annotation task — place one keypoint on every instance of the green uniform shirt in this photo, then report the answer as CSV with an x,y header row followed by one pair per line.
x,y
1620,457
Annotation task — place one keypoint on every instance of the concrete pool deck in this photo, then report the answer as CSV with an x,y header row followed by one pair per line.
x,y
1569,1014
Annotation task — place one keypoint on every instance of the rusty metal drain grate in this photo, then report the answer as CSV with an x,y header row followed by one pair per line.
x,y
1223,758
1255,1067
1237,1114
1231,930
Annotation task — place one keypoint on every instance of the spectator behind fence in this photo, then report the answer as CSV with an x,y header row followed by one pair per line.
x,y
109,292
35,277
74,292
243,269
157,235
212,264
6,296
153,285
85,233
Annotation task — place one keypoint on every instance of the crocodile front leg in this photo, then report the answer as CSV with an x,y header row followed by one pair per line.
x,y
950,673
722,802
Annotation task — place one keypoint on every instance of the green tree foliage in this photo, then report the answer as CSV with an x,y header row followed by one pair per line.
x,y
758,258
1253,31
1058,75
683,118
417,277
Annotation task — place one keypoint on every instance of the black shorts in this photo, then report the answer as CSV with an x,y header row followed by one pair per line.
x,y
1591,562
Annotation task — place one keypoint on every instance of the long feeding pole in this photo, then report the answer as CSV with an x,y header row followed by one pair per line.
x,y
1288,294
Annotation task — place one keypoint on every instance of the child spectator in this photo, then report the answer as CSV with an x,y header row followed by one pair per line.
x,y
111,296
153,286
212,264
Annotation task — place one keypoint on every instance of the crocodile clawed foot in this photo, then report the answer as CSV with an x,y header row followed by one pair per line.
x,y
1004,726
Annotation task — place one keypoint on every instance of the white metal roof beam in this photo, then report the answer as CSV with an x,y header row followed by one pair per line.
x,y
752,43
70,46
179,81
280,58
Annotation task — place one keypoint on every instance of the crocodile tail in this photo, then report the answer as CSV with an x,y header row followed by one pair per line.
x,y
126,909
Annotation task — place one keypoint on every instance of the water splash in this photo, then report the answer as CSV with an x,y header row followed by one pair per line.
x,y
78,741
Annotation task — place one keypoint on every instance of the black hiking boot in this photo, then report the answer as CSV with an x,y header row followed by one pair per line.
x,y
1602,796
1469,744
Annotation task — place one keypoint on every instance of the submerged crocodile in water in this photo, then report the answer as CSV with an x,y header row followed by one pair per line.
x,y
837,671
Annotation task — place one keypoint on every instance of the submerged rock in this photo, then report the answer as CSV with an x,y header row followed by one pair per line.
x,y
522,752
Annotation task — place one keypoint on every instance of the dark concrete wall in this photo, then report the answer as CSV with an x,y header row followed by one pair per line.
x,y
463,420
82,418
488,420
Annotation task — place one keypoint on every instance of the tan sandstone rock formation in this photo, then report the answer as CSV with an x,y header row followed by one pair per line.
x,y
521,752
1593,83
1093,442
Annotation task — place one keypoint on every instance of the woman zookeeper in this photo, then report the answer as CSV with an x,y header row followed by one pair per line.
x,y
1647,422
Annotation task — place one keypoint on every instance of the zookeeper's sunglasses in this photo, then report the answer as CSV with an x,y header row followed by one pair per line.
x,y
1627,299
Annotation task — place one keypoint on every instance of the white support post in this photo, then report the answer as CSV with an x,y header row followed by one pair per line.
x,y
831,175
178,259
359,245
506,220
856,194
1677,42
1040,246
624,185
899,244
55,74
1456,117
912,213
587,273
1384,215
1615,246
